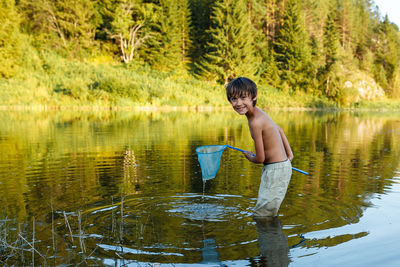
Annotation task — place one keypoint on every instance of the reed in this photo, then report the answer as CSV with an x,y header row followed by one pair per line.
x,y
24,246
16,249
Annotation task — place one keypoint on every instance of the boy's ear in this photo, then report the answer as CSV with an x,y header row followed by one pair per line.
x,y
255,98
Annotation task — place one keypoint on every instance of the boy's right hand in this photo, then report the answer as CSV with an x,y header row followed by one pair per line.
x,y
249,155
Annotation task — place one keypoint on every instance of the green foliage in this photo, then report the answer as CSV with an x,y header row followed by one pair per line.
x,y
169,44
231,49
129,26
64,83
292,53
312,46
200,17
63,24
387,56
11,47
331,41
331,73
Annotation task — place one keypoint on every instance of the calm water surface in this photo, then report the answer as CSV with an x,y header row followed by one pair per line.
x,y
125,188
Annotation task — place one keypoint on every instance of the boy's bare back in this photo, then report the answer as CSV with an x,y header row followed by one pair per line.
x,y
268,137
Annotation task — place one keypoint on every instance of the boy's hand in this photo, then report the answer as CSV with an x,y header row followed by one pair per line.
x,y
249,155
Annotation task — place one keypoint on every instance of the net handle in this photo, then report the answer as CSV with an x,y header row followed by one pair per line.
x,y
293,168
238,149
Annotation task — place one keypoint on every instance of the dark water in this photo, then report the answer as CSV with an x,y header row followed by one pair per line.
x,y
125,189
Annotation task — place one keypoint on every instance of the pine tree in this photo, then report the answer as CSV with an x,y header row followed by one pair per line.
x,y
363,31
292,52
331,40
169,46
106,10
10,39
346,20
231,49
330,75
200,17
263,17
387,56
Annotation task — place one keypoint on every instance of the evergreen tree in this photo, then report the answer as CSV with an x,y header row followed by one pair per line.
x,y
10,39
106,10
292,51
263,17
169,46
387,57
331,40
185,27
200,11
231,49
330,75
363,31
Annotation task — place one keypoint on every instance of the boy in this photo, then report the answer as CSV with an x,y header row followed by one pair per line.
x,y
271,144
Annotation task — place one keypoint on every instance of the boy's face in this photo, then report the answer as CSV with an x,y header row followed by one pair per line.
x,y
243,103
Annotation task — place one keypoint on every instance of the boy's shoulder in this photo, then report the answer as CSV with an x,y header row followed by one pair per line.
x,y
261,118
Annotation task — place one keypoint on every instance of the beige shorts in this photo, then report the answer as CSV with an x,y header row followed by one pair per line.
x,y
275,179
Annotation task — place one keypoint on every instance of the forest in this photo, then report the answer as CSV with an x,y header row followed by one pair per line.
x,y
164,52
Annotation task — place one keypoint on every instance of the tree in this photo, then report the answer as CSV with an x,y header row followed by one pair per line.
x,y
127,28
330,75
292,51
264,17
10,39
170,26
331,40
72,22
231,49
387,55
200,16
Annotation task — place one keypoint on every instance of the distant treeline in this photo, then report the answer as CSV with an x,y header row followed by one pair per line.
x,y
313,46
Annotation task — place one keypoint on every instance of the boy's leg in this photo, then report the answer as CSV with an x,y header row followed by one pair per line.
x,y
275,179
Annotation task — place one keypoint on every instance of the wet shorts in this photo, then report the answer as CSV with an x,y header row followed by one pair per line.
x,y
275,179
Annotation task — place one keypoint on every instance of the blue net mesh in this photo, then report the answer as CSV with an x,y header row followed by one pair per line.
x,y
209,158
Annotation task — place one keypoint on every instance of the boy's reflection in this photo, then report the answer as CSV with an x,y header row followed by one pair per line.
x,y
273,242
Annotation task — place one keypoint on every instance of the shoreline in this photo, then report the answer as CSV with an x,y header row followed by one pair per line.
x,y
178,108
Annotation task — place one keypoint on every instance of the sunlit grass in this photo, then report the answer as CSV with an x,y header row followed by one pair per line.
x,y
65,84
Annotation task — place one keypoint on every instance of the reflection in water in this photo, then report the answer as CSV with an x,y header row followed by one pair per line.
x,y
273,242
209,253
137,181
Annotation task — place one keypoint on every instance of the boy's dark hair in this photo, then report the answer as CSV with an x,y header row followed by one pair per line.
x,y
241,86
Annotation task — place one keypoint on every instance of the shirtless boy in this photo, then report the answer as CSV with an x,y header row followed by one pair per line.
x,y
271,144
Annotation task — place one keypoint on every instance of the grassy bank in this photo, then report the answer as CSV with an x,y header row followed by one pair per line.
x,y
55,82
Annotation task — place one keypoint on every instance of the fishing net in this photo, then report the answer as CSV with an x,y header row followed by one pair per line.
x,y
209,158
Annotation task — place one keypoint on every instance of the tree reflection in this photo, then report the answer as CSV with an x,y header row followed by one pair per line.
x,y
76,161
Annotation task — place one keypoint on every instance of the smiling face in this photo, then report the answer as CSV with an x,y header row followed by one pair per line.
x,y
242,103
242,94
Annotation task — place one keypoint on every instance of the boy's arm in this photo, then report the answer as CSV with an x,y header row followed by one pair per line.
x,y
259,157
286,145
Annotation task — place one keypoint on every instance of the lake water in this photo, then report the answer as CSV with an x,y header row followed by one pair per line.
x,y
125,189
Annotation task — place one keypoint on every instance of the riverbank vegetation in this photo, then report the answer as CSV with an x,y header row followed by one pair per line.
x,y
180,53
